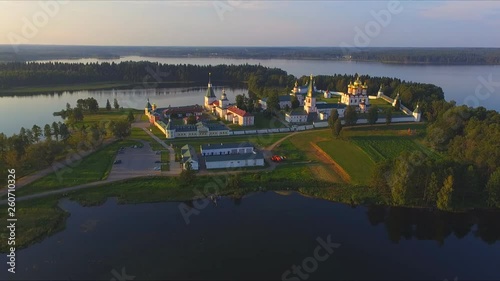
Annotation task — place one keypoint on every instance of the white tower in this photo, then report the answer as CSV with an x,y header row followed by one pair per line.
x,y
310,102
417,114
380,92
210,95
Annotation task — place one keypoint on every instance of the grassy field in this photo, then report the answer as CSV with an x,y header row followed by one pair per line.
x,y
352,158
138,133
387,147
334,99
37,219
290,151
92,168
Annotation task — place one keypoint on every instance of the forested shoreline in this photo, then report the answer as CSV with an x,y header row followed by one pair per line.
x,y
398,55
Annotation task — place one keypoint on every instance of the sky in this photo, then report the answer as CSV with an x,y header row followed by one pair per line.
x,y
252,23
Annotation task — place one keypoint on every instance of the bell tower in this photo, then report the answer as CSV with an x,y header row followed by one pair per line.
x,y
310,102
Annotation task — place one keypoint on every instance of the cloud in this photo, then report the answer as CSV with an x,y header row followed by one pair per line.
x,y
464,10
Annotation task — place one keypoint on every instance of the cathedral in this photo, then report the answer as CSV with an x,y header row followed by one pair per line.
x,y
356,94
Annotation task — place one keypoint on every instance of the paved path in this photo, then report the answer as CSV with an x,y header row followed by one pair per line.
x,y
174,168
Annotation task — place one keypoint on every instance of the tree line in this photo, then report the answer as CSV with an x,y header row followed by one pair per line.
x,y
388,55
466,172
37,147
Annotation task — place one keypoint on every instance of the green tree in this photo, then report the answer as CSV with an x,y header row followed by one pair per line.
x,y
493,188
131,118
334,115
108,105
121,129
68,106
379,178
350,116
337,128
287,108
55,130
250,105
240,101
372,115
400,180
92,105
273,102
187,176
388,116
445,195
47,132
431,189
63,131
295,102
37,133
115,104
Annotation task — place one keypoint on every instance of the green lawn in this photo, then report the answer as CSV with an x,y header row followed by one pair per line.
x,y
352,158
92,168
388,147
138,133
165,156
334,99
290,151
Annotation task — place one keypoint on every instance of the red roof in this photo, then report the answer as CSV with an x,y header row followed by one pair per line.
x,y
215,103
237,111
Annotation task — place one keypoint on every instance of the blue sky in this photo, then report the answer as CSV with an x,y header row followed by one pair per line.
x,y
252,23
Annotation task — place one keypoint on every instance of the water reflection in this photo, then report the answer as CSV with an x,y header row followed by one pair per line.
x,y
424,224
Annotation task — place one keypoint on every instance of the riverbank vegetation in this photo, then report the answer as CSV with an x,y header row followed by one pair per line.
x,y
84,129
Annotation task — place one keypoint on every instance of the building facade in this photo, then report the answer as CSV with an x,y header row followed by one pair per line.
x,y
188,155
226,148
356,94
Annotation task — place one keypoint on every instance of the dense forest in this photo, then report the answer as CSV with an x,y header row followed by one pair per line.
x,y
466,172
468,56
261,81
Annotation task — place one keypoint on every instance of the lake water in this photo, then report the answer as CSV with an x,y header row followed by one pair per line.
x,y
38,109
260,237
471,85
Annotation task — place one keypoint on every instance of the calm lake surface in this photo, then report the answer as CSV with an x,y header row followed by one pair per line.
x,y
260,237
471,85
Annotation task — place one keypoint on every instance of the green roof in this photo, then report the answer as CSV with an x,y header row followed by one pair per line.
x,y
210,92
148,105
310,90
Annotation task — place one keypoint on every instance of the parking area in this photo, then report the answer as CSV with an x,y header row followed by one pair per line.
x,y
138,161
